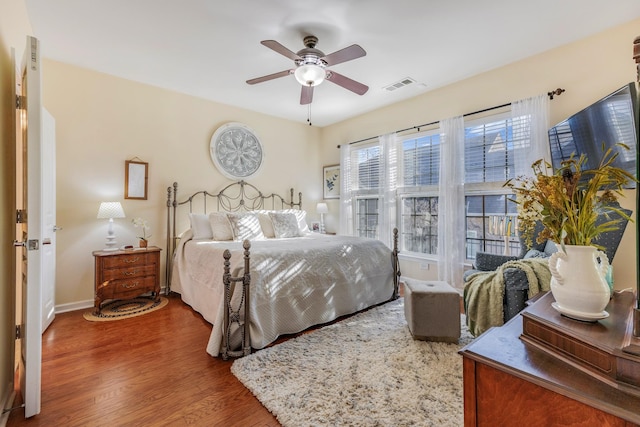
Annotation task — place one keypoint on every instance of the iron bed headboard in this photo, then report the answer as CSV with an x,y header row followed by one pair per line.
x,y
238,196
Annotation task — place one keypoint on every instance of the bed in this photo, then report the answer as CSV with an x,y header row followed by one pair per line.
x,y
256,272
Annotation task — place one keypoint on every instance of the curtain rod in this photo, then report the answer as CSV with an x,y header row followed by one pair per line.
x,y
549,94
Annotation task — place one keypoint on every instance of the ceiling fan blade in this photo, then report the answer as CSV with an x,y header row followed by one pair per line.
x,y
269,77
306,95
347,83
347,54
274,45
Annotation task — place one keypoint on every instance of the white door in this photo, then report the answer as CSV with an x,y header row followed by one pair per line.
x,y
49,227
29,227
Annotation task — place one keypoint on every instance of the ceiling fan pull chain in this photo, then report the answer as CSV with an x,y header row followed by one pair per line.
x,y
309,114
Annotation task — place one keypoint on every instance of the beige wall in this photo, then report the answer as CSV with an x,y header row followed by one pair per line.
x,y
588,69
14,28
102,120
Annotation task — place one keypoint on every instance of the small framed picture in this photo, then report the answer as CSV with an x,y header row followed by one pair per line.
x,y
315,226
136,176
331,181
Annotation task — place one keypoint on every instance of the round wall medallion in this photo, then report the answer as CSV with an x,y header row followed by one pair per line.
x,y
236,151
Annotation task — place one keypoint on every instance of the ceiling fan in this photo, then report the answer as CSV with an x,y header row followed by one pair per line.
x,y
311,67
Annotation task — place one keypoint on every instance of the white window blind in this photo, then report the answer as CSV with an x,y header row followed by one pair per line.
x,y
421,161
489,152
366,164
365,172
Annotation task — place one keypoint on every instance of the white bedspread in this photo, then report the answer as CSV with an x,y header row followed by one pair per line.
x,y
295,283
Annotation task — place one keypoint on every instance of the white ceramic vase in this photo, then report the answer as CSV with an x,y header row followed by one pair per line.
x,y
578,282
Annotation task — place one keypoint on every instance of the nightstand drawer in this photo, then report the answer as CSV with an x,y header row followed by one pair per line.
x,y
138,284
130,272
129,260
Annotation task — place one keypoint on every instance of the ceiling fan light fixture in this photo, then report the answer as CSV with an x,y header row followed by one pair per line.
x,y
310,74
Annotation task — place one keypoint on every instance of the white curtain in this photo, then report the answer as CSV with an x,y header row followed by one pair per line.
x,y
451,207
346,189
387,188
530,119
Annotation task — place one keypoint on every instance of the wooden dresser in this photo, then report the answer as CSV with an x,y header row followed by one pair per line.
x,y
508,381
126,274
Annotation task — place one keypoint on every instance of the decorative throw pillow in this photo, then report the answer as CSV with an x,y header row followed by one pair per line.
x,y
534,253
220,226
266,224
245,226
200,226
301,216
285,224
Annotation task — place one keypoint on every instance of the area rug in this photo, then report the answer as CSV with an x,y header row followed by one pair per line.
x,y
363,371
124,309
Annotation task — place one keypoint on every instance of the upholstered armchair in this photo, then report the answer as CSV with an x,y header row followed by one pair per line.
x,y
515,280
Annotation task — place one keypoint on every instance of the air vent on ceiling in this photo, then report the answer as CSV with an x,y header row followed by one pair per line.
x,y
401,83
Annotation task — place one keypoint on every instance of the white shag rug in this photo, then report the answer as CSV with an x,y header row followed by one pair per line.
x,y
363,371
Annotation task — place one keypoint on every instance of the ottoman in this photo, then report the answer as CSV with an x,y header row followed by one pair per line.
x,y
432,310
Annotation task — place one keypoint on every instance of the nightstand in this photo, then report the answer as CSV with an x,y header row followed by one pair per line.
x,y
126,274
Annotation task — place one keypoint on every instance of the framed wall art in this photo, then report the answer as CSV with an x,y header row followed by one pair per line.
x,y
236,151
136,176
331,182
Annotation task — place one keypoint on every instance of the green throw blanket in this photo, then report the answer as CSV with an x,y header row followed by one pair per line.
x,y
484,292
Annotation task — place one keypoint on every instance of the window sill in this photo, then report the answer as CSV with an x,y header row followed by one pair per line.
x,y
431,259
412,256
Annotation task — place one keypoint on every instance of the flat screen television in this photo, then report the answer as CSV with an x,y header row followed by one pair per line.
x,y
611,120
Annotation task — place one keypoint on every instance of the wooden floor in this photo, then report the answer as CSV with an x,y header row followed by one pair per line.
x,y
146,370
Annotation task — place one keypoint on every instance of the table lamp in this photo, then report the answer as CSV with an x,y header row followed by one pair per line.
x,y
322,209
110,210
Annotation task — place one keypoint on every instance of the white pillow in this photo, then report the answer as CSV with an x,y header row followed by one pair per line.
x,y
266,224
301,216
220,226
245,226
285,224
200,226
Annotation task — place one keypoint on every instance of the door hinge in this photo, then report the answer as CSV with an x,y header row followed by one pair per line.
x,y
21,216
21,102
18,332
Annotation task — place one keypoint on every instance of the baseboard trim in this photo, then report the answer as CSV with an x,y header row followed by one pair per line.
x,y
73,306
7,402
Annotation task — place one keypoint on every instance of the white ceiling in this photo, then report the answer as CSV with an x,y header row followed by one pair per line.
x,y
209,48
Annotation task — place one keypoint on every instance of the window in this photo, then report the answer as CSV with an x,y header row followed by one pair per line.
x,y
421,160
478,210
488,153
367,217
366,162
418,200
419,224
489,163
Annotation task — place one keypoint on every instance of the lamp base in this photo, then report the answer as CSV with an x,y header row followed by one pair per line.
x,y
111,244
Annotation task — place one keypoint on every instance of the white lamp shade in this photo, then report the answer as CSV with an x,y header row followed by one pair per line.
x,y
322,208
110,210
310,74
